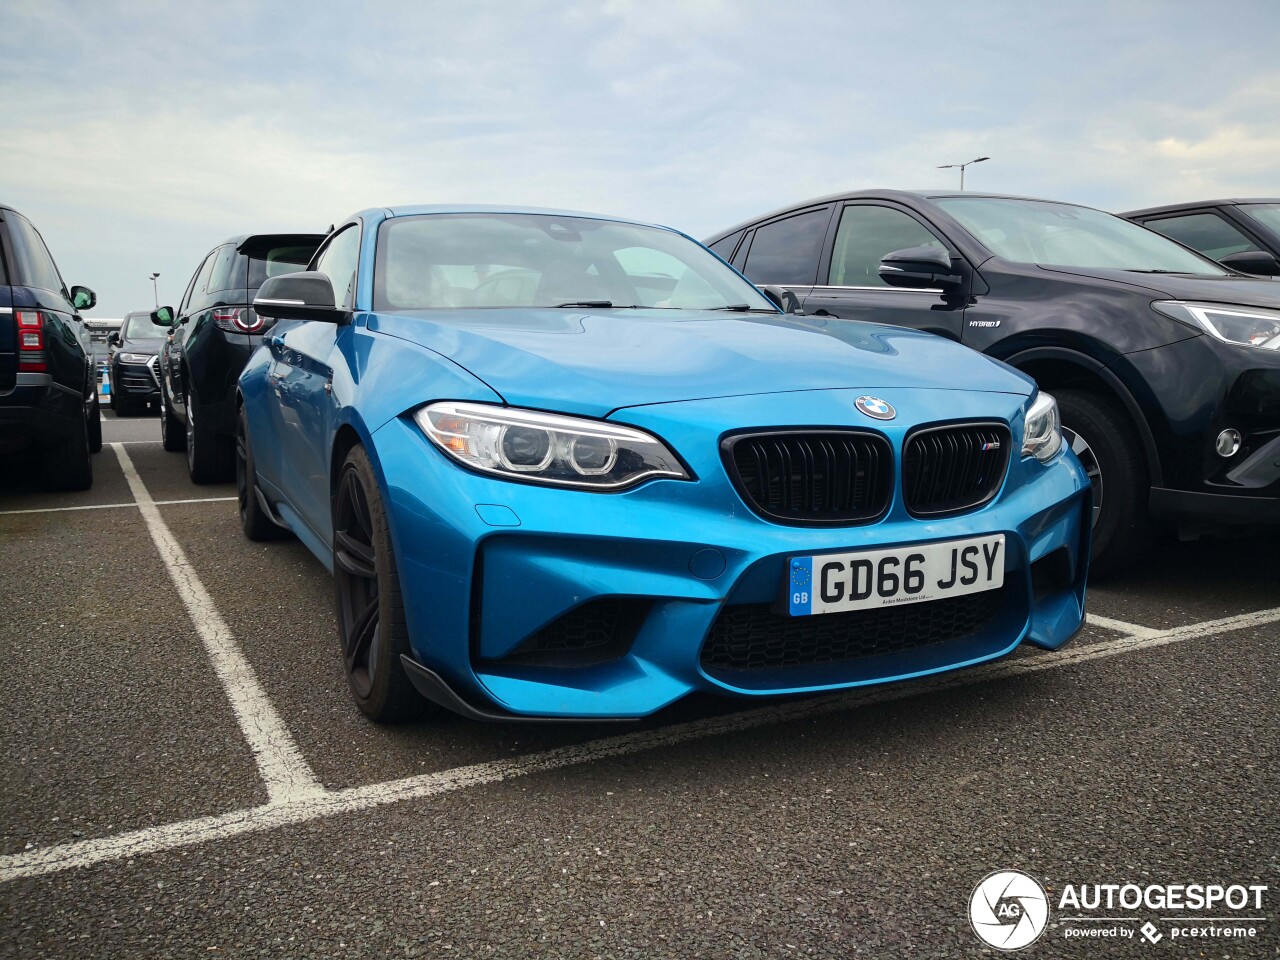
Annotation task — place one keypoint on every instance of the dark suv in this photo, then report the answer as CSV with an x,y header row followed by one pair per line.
x,y
1166,366
1241,234
48,387
133,362
214,331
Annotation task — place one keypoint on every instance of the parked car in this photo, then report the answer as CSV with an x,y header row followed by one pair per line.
x,y
48,390
568,466
214,330
1166,366
1241,234
133,362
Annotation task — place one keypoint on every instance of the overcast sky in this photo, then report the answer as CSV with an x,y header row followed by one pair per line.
x,y
138,135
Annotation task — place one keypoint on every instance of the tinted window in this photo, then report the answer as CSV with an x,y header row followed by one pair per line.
x,y
1062,235
186,297
1206,232
339,261
865,235
1267,214
34,267
200,293
533,260
724,248
787,251
223,275
278,260
138,326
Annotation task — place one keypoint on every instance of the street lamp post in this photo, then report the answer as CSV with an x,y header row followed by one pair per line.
x,y
952,166
156,290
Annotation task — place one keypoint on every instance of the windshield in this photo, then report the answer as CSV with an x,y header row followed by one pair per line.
x,y
278,260
542,260
138,326
1062,235
1267,214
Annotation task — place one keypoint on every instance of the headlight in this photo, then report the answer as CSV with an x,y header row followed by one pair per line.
x,y
135,358
1246,326
545,447
1042,437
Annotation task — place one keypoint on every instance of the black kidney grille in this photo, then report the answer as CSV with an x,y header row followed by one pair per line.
x,y
813,476
753,637
952,469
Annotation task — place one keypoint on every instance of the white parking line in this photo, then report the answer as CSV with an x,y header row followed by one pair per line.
x,y
283,768
116,506
323,803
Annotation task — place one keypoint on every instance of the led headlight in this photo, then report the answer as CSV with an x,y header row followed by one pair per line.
x,y
1042,437
1245,326
547,447
135,357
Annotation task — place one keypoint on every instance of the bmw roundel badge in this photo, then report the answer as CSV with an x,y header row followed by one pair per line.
x,y
876,408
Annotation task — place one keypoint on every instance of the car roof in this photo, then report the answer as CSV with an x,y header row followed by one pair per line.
x,y
416,210
902,195
1176,207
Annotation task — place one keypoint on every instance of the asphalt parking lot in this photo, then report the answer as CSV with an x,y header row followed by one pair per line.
x,y
184,774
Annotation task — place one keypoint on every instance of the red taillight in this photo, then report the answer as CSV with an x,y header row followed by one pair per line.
x,y
237,320
31,358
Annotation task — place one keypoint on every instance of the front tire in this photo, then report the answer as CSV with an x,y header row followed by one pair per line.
x,y
173,433
1111,452
95,426
371,621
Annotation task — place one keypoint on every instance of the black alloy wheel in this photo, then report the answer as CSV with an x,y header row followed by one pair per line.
x,y
371,621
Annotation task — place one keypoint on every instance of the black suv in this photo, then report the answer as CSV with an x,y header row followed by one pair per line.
x,y
133,361
1165,365
48,386
1241,234
213,332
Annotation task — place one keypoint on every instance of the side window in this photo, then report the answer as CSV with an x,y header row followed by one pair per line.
x,y
1206,232
724,248
787,251
338,260
195,289
222,276
740,258
35,268
866,233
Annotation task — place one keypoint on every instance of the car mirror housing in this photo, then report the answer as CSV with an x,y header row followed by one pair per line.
x,y
113,336
782,298
82,298
307,295
162,316
919,268
1257,262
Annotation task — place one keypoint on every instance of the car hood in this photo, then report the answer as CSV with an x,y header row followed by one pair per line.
x,y
595,362
1179,286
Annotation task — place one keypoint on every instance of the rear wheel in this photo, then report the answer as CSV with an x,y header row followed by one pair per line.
x,y
371,622
210,457
1110,451
253,519
68,464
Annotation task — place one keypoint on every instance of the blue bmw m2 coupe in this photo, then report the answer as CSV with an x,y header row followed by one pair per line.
x,y
567,466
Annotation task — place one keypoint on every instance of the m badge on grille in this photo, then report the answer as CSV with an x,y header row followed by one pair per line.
x,y
876,408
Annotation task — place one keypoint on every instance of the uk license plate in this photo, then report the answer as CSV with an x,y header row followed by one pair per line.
x,y
836,582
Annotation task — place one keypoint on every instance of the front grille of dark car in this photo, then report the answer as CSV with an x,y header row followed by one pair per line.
x,y
595,632
812,476
955,468
754,637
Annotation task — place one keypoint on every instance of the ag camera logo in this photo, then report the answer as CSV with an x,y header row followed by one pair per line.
x,y
1008,910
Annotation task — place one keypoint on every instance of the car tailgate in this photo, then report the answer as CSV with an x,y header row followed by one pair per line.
x,y
8,340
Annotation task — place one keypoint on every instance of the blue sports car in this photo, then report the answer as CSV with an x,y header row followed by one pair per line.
x,y
568,466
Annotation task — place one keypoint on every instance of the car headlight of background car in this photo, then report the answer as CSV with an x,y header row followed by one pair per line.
x,y
1245,326
134,358
547,448
1042,437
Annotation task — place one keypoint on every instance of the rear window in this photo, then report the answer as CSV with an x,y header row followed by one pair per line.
x,y
278,260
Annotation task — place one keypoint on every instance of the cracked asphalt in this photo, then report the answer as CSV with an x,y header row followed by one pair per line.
x,y
859,830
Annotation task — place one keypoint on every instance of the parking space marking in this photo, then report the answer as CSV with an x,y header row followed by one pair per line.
x,y
1120,626
325,803
116,506
286,773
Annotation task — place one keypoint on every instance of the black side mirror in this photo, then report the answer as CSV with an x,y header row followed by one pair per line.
x,y
299,296
1253,261
163,317
785,300
919,268
82,298
113,336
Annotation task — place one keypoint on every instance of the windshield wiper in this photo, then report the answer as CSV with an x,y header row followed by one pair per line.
x,y
1154,271
586,303
735,307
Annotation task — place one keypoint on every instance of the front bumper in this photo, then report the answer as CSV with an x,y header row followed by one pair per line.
x,y
486,565
136,381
